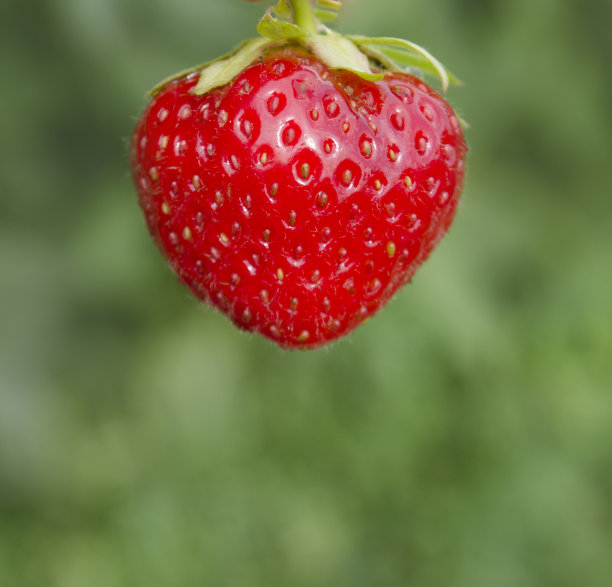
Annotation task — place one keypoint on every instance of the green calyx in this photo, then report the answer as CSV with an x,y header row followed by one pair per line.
x,y
300,22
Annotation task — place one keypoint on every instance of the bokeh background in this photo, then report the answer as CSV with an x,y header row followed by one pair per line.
x,y
462,438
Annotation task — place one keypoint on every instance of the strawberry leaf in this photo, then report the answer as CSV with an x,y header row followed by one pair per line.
x,y
221,72
338,52
405,59
325,15
327,10
278,30
283,9
335,5
406,54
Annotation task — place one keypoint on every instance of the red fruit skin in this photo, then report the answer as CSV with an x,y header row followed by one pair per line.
x,y
298,199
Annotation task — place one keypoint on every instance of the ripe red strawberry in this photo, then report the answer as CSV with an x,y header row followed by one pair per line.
x,y
297,198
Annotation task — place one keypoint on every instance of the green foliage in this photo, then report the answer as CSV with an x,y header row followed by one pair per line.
x,y
462,438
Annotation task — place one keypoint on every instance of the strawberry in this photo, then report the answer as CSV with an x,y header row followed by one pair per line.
x,y
298,183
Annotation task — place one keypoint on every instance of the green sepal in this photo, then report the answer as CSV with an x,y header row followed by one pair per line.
x,y
404,59
371,77
283,9
464,123
338,52
334,5
325,15
351,53
327,10
278,30
223,71
391,51
247,51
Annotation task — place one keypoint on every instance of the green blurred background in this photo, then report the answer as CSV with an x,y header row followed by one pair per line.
x,y
462,438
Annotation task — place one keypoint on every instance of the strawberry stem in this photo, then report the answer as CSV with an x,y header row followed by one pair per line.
x,y
303,16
